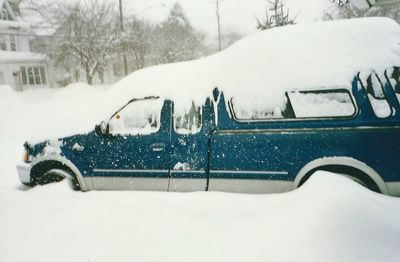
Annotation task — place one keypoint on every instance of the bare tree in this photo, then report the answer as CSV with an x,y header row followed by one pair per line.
x,y
85,32
279,16
348,10
137,41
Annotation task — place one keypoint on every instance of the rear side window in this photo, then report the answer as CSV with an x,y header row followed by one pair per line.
x,y
337,103
325,104
376,96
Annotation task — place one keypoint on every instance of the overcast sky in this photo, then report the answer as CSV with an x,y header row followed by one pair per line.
x,y
235,14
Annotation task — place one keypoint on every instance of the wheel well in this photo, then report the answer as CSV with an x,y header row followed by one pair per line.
x,y
43,167
347,170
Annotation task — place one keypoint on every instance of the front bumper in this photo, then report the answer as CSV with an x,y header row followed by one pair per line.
x,y
24,172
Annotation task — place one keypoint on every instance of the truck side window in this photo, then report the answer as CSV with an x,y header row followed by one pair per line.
x,y
300,104
257,108
141,117
395,81
376,96
322,103
188,120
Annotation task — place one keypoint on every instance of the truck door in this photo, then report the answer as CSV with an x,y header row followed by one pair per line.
x,y
191,126
135,154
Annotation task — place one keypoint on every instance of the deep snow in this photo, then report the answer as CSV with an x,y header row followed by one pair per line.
x,y
330,218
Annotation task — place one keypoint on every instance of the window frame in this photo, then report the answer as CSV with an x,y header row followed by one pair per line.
x,y
266,120
380,99
128,103
41,74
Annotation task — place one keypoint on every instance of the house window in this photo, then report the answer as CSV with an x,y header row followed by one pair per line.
x,y
13,43
3,45
33,75
4,14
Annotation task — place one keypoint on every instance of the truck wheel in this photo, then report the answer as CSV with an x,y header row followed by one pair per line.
x,y
57,175
354,174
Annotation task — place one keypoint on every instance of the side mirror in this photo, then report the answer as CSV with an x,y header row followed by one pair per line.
x,y
102,129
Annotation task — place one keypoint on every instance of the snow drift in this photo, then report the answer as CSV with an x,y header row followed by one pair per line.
x,y
330,218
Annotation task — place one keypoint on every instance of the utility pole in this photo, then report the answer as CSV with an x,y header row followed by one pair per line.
x,y
121,22
219,27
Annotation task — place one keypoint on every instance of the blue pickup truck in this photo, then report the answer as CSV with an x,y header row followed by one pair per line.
x,y
218,146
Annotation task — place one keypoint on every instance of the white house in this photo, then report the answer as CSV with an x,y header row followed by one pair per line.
x,y
19,67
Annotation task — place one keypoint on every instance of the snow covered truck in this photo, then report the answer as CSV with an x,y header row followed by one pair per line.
x,y
284,109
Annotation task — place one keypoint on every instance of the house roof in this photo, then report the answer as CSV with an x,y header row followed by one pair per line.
x,y
9,57
17,23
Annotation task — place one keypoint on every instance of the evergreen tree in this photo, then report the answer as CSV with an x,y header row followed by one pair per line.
x,y
176,39
278,18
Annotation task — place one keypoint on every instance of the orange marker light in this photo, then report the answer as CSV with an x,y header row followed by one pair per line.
x,y
117,117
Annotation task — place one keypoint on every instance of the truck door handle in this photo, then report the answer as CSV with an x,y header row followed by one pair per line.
x,y
157,147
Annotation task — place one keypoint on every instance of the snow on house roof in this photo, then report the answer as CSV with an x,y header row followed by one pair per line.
x,y
13,25
9,57
325,54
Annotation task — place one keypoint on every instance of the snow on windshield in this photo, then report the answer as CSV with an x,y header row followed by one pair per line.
x,y
140,117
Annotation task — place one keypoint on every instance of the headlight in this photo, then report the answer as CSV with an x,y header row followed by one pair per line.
x,y
25,156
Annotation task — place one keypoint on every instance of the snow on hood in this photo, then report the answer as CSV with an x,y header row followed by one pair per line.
x,y
323,55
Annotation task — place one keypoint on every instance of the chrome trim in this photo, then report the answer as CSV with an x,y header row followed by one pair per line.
x,y
250,172
188,171
250,186
130,170
307,129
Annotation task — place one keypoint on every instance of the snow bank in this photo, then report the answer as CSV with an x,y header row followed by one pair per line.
x,y
49,113
330,218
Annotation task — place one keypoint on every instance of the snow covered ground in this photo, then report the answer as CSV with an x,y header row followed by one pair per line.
x,y
329,219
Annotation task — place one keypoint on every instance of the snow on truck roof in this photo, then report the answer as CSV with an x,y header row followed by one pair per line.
x,y
259,67
323,55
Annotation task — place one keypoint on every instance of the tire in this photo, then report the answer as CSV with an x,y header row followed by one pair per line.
x,y
47,173
350,172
